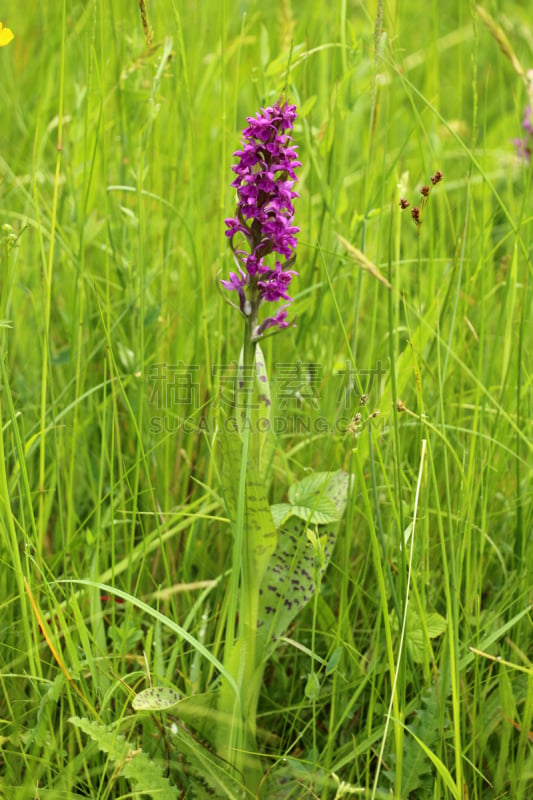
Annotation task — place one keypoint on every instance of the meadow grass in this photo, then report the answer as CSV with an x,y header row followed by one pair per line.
x,y
410,675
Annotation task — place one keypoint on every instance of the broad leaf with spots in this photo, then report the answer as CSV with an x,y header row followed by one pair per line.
x,y
302,554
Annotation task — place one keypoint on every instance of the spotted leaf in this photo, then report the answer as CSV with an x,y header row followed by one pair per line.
x,y
299,561
159,698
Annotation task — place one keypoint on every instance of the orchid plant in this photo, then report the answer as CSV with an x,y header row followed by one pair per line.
x,y
280,552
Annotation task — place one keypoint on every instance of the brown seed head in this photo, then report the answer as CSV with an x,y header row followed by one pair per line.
x,y
404,203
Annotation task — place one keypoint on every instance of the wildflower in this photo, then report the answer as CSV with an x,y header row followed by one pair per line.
x,y
6,35
265,177
524,146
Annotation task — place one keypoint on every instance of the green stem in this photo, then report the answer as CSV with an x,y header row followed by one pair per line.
x,y
240,652
249,590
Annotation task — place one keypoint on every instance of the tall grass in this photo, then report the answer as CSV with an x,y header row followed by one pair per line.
x,y
115,157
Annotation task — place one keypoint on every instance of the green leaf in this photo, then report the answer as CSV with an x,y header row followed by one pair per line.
x,y
292,778
317,512
262,440
197,710
211,771
158,698
322,485
309,500
437,763
280,513
258,524
310,485
312,687
435,625
333,660
290,580
417,772
264,47
144,774
291,577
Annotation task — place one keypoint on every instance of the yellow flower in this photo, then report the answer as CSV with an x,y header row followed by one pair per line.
x,y
5,35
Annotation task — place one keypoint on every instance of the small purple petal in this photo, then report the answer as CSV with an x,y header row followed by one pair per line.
x,y
235,281
279,320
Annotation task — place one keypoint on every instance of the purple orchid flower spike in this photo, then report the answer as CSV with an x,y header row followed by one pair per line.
x,y
265,177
